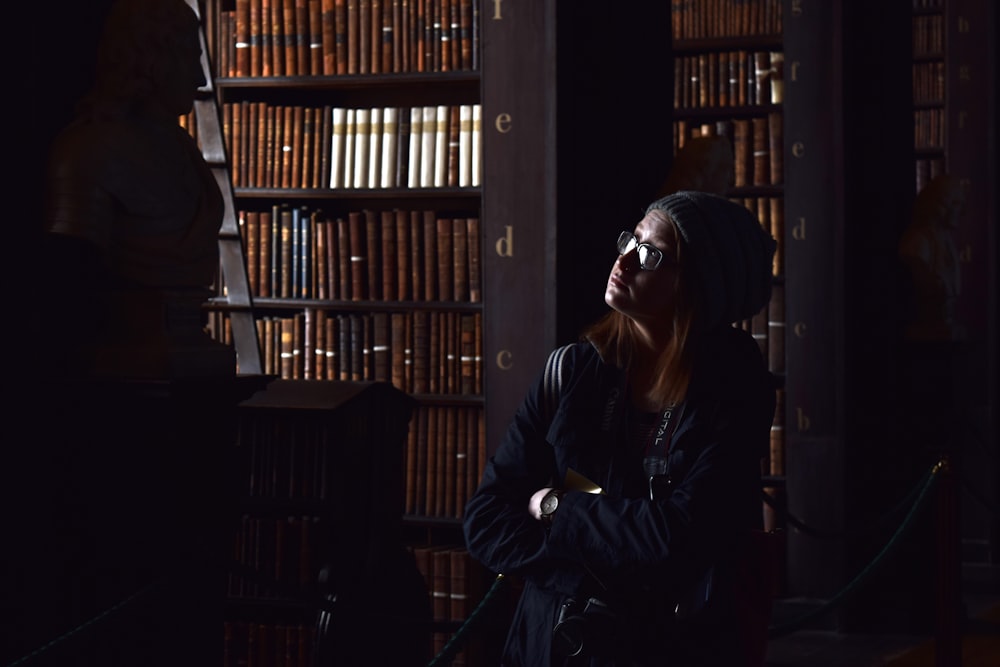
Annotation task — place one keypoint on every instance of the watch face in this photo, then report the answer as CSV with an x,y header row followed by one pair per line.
x,y
549,503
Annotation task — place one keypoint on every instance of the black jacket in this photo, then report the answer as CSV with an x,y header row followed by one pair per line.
x,y
641,557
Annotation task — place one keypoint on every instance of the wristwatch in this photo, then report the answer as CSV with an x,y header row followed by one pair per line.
x,y
549,505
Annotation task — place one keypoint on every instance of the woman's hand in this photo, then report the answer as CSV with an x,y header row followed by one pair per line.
x,y
535,503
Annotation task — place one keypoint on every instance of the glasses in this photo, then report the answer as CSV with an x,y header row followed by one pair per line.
x,y
649,256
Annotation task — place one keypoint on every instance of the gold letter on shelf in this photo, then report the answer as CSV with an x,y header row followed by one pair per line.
x,y
505,244
799,329
799,230
798,149
963,24
796,7
803,420
503,360
795,70
496,9
503,123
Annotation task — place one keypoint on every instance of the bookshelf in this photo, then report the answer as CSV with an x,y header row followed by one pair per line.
x,y
353,131
319,556
928,90
862,85
729,82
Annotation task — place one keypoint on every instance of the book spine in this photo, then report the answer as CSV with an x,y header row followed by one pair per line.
x,y
373,254
363,130
375,148
477,143
453,145
329,37
315,37
416,145
441,138
428,152
474,244
404,285
358,256
460,259
465,145
390,134
389,256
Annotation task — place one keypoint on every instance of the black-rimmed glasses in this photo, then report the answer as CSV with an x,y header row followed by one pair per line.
x,y
649,256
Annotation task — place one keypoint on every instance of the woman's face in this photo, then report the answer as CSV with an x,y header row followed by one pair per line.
x,y
646,296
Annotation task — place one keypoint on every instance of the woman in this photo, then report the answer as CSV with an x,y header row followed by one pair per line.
x,y
667,408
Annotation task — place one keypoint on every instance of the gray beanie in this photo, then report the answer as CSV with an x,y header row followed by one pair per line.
x,y
728,250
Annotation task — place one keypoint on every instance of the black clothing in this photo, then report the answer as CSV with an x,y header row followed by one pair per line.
x,y
642,558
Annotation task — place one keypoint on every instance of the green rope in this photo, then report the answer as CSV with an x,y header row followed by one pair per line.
x,y
791,626
921,492
457,641
82,627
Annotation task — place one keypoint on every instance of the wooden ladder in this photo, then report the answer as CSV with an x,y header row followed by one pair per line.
x,y
237,294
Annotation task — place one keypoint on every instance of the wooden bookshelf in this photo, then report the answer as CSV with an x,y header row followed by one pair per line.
x,y
929,78
729,82
356,174
318,543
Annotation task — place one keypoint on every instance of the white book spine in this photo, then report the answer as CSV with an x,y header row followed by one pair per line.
x,y
416,142
465,146
339,123
375,149
349,135
441,148
477,144
363,129
427,152
390,130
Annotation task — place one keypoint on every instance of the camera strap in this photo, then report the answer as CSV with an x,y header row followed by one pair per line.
x,y
655,463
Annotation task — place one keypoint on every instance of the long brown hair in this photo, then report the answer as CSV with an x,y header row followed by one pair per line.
x,y
614,336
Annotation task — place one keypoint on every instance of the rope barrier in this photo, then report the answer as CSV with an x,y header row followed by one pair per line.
x,y
920,492
872,527
83,626
791,626
457,641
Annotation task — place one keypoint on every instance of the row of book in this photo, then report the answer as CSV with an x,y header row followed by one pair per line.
x,y
927,169
250,644
332,37
729,78
418,352
757,145
770,212
768,328
928,82
274,555
928,128
928,35
444,460
298,146
366,255
452,586
699,19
